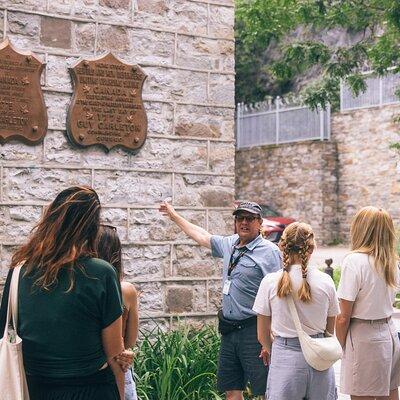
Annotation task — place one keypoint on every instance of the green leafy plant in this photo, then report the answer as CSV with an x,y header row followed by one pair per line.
x,y
179,364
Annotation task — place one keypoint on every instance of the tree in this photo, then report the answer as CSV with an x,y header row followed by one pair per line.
x,y
260,23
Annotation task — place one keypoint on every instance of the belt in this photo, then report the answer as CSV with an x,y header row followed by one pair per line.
x,y
373,321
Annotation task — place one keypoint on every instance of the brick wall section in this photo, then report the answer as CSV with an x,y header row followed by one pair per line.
x,y
325,183
369,171
297,180
187,49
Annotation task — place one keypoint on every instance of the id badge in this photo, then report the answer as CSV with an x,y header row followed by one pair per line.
x,y
227,285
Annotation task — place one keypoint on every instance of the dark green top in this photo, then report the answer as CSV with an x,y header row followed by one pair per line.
x,y
61,332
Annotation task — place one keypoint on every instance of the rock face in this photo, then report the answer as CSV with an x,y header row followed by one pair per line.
x,y
187,50
325,183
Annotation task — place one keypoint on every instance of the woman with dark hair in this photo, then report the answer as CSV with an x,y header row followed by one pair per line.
x,y
69,304
109,249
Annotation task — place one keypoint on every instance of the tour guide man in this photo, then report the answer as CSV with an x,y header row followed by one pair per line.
x,y
247,258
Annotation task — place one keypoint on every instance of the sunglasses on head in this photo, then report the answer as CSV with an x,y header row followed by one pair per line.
x,y
248,218
114,228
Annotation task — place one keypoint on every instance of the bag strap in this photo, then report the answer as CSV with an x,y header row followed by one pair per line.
x,y
14,296
12,306
295,314
4,302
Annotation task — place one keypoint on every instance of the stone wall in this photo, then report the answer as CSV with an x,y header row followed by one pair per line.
x,y
186,48
325,183
298,180
368,172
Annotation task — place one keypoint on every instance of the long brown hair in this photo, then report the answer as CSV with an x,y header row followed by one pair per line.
x,y
109,248
297,240
372,232
66,232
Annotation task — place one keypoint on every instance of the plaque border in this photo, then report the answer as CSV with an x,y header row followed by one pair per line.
x,y
73,75
18,136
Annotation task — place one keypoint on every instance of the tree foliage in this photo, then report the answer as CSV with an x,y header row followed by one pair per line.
x,y
261,24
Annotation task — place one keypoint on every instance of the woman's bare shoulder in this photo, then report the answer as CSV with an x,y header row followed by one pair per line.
x,y
129,293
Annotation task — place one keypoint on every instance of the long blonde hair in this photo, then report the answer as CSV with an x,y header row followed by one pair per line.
x,y
372,232
297,240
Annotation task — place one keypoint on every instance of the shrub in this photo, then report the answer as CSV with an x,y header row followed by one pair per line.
x,y
178,365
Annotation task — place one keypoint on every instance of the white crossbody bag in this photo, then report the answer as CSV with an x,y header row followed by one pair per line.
x,y
13,384
320,353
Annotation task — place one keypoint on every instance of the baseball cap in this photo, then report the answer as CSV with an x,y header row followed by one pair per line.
x,y
248,206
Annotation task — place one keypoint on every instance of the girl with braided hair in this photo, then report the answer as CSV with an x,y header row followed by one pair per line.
x,y
314,295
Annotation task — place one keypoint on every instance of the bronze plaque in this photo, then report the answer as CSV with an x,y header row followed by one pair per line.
x,y
23,114
107,106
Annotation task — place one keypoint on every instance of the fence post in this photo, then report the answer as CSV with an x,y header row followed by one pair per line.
x,y
341,95
380,91
277,104
328,121
321,122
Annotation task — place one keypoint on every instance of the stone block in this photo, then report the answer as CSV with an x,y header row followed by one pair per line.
x,y
32,5
61,6
211,122
117,217
115,10
55,32
167,154
221,21
214,295
17,222
207,191
222,156
222,89
23,24
179,299
97,156
57,74
151,298
84,38
58,149
17,151
193,261
1,18
150,327
6,252
151,225
194,323
188,17
112,38
151,47
221,222
86,8
132,188
145,262
39,184
184,16
172,84
160,118
57,107
202,53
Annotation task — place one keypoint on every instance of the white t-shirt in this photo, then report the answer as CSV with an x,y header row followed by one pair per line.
x,y
313,315
362,283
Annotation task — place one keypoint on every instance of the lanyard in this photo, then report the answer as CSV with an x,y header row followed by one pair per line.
x,y
234,262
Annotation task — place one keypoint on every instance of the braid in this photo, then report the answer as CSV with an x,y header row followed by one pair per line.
x,y
284,285
304,292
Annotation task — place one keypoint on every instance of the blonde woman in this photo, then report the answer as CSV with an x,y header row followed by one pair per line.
x,y
371,360
290,377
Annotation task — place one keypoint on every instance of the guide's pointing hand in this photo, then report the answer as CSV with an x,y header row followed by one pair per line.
x,y
166,209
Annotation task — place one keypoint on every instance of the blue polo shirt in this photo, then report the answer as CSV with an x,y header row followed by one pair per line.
x,y
261,258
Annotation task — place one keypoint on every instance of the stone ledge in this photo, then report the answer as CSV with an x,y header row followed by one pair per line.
x,y
119,24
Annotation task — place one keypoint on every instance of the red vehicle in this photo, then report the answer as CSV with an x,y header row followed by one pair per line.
x,y
273,225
